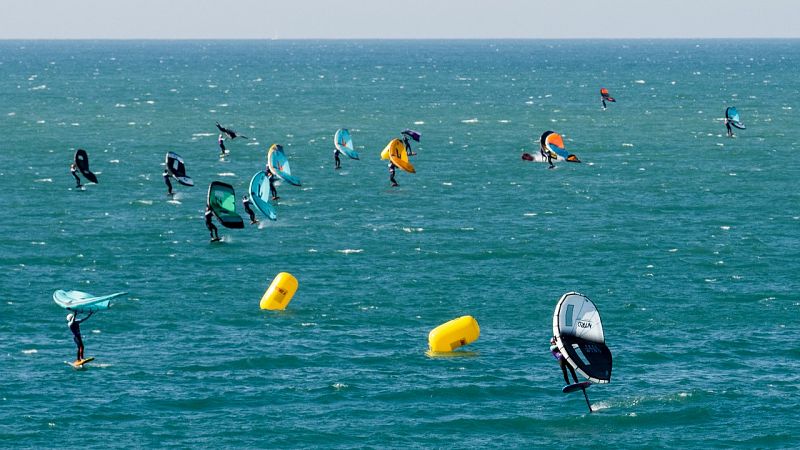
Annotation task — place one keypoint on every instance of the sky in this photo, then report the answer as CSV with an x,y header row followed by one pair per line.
x,y
399,19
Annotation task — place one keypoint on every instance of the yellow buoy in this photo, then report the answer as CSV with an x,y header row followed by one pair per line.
x,y
453,334
280,292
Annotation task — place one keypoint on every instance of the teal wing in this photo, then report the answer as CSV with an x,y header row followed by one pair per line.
x,y
82,302
259,193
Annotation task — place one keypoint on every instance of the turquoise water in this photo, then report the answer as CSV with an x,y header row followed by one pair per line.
x,y
686,240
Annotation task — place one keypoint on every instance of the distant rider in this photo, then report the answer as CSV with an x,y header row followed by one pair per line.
x,y
728,126
210,225
221,142
271,179
167,176
75,327
336,159
407,144
246,203
74,169
562,361
391,174
546,154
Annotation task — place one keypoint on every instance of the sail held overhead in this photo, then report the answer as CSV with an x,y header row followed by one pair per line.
x,y
82,302
415,135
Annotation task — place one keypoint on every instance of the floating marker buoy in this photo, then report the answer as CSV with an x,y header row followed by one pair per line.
x,y
280,292
453,334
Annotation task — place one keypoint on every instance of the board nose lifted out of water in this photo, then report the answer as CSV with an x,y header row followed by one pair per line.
x,y
80,364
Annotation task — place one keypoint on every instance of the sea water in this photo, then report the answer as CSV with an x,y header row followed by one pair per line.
x,y
686,240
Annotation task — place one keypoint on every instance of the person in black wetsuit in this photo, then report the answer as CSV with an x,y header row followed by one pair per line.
x,y
222,149
391,174
212,229
336,159
728,126
167,176
546,154
271,178
407,144
74,169
75,327
562,361
246,203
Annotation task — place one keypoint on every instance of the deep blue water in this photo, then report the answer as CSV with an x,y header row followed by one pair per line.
x,y
685,239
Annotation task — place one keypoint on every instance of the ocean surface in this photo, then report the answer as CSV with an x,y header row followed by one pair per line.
x,y
687,241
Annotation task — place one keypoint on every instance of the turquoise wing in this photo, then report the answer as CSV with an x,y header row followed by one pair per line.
x,y
259,193
344,142
82,302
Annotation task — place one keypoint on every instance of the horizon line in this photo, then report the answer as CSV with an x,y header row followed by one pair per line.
x,y
396,39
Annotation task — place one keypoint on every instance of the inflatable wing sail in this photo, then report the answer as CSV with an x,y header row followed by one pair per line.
x,y
82,161
259,194
580,338
415,135
395,152
81,302
554,144
177,169
279,165
733,115
222,200
344,142
606,96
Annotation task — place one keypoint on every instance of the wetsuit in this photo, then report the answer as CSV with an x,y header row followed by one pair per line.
x,y
407,144
246,203
336,158
563,363
603,99
271,179
391,174
74,171
221,142
546,154
169,183
728,126
210,225
75,328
